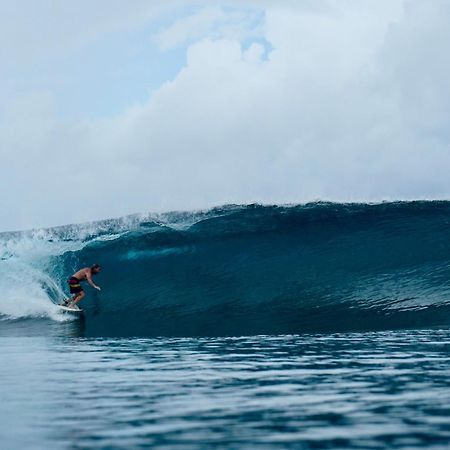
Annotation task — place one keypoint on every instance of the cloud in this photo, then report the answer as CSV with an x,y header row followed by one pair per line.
x,y
193,26
214,22
351,103
32,30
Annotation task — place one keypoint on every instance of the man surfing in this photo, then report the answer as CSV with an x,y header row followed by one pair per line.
x,y
75,280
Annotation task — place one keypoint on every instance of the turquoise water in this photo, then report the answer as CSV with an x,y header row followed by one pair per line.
x,y
375,390
241,270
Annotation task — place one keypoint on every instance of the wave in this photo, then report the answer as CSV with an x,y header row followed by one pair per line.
x,y
241,270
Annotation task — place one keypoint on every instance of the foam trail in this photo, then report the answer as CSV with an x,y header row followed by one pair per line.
x,y
28,283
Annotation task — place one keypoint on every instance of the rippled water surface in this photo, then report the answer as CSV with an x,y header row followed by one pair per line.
x,y
368,390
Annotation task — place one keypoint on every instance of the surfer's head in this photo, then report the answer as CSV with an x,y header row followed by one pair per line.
x,y
96,268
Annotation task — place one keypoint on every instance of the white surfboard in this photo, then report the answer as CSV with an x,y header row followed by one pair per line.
x,y
71,309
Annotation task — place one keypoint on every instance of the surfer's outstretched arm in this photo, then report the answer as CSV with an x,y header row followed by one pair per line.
x,y
91,282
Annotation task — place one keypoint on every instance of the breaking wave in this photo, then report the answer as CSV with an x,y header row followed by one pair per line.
x,y
241,270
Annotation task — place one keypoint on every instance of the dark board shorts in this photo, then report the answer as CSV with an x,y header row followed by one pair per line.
x,y
74,285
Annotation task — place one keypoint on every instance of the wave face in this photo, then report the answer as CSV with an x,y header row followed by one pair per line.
x,y
241,270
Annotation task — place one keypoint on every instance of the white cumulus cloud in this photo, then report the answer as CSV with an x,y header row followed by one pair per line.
x,y
350,103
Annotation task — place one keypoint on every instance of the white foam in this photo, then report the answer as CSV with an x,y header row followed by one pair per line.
x,y
28,281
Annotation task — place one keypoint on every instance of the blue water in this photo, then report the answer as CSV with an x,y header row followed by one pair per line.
x,y
313,326
388,389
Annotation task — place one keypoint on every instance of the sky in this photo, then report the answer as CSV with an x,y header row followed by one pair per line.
x,y
112,107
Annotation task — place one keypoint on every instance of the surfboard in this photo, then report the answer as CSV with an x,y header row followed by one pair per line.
x,y
71,309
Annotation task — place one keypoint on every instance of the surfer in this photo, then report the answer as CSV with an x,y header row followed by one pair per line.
x,y
75,280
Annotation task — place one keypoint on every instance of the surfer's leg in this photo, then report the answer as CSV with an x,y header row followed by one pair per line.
x,y
76,290
70,300
76,298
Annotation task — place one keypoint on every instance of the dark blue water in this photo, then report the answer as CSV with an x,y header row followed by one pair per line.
x,y
376,390
313,326
242,270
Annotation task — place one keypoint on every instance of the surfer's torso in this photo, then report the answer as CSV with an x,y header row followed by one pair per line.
x,y
82,274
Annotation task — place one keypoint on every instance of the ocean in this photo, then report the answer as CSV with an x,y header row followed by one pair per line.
x,y
307,326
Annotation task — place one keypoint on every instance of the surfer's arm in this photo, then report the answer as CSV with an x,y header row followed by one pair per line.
x,y
89,280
